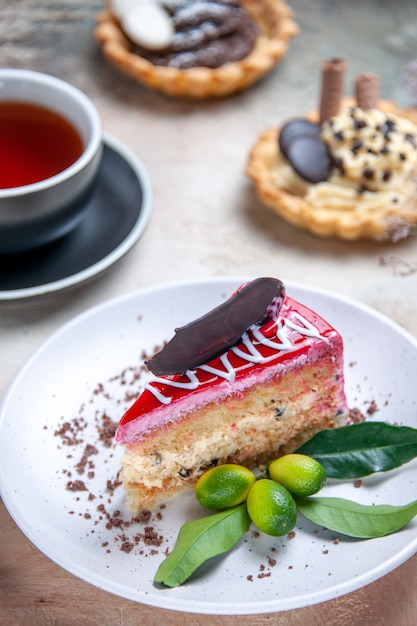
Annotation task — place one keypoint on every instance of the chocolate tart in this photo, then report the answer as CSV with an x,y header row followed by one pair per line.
x,y
275,26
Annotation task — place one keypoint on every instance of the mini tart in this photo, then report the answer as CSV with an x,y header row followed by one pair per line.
x,y
387,224
276,25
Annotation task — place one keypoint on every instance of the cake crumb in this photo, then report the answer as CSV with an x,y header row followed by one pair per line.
x,y
356,416
127,546
112,485
69,432
151,538
107,430
144,516
82,464
89,437
373,408
76,485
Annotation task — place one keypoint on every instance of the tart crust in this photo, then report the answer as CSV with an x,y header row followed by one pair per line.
x,y
385,224
276,28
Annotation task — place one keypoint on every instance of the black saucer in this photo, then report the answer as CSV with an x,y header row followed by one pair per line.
x,y
117,216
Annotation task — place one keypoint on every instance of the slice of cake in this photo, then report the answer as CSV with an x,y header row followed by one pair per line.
x,y
251,380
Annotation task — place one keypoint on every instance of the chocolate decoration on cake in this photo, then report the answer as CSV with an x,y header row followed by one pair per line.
x,y
300,143
309,157
367,91
332,84
221,328
295,128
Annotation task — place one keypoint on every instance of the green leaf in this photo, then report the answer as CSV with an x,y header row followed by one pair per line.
x,y
362,449
200,540
354,519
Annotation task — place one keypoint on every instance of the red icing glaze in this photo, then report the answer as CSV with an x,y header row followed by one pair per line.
x,y
299,328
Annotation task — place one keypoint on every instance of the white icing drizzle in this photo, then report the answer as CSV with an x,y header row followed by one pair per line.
x,y
283,345
306,329
229,373
280,343
192,384
253,355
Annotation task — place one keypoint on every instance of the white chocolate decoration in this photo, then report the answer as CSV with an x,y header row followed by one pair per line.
x,y
145,22
121,7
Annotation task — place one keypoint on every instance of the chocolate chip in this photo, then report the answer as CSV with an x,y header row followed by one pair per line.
x,y
294,129
337,163
368,173
359,124
411,139
209,465
389,126
309,157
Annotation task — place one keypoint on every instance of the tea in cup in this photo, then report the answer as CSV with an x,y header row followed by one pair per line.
x,y
50,154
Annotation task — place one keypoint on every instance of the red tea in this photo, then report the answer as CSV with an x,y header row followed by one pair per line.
x,y
35,143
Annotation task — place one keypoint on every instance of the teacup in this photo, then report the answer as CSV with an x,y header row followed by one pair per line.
x,y
47,176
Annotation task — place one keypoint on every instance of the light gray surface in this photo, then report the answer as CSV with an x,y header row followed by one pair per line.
x,y
206,219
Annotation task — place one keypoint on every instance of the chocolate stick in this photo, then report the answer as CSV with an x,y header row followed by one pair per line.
x,y
332,83
367,91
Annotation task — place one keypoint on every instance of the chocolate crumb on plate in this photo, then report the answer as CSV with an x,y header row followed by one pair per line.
x,y
76,485
87,439
373,408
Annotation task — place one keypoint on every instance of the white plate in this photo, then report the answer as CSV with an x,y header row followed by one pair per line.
x,y
62,381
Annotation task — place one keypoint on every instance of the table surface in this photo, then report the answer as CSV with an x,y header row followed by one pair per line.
x,y
206,222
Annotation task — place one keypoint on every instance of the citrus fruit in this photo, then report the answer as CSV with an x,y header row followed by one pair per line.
x,y
271,507
300,474
224,486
